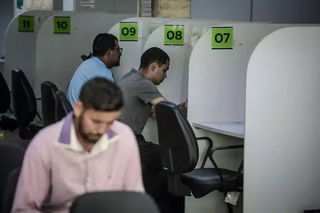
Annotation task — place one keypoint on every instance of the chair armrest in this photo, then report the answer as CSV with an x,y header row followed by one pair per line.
x,y
213,150
38,116
210,142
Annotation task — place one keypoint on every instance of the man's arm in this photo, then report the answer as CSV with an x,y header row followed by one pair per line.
x,y
133,177
33,184
154,102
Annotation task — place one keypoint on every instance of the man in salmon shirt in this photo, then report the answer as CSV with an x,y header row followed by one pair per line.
x,y
87,151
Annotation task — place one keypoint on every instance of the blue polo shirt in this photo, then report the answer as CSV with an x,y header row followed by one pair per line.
x,y
88,70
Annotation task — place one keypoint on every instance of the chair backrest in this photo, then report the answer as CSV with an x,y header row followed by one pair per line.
x,y
9,190
11,157
4,95
114,202
178,143
63,106
23,98
48,102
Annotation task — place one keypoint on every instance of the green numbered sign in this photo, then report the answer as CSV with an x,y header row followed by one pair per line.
x,y
26,24
173,35
62,25
128,31
222,38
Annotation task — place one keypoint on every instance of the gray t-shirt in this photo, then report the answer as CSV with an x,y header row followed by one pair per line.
x,y
138,92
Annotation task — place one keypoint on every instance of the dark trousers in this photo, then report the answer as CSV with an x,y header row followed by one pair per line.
x,y
155,179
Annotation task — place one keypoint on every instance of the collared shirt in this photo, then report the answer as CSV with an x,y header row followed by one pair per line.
x,y
88,70
56,169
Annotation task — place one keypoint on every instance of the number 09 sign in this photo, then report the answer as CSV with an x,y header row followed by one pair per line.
x,y
222,38
128,31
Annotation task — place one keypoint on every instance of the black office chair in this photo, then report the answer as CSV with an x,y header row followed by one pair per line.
x,y
11,157
114,202
48,102
7,119
179,157
24,106
63,106
9,190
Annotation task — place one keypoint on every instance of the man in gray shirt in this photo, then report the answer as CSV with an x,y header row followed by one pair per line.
x,y
141,95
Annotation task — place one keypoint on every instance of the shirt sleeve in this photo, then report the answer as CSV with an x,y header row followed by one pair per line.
x,y
147,91
133,178
34,179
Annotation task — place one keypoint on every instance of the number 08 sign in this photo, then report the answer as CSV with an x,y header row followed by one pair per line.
x,y
174,35
222,38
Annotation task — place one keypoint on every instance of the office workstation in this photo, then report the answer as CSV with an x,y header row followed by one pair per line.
x,y
177,39
74,31
245,84
221,78
21,40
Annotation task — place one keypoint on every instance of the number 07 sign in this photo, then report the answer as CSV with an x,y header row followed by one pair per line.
x,y
222,38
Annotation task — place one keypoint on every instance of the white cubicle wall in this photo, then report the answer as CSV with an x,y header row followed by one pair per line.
x,y
58,55
20,47
282,172
175,87
132,50
217,83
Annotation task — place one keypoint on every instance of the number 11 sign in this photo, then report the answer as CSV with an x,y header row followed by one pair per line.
x,y
222,38
26,24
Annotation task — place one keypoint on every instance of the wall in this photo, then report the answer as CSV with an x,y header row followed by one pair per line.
x,y
280,11
111,6
174,8
6,14
224,10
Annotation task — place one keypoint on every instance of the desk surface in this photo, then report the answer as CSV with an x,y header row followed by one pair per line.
x,y
231,129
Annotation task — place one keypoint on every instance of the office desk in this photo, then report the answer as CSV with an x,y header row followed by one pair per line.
x,y
225,128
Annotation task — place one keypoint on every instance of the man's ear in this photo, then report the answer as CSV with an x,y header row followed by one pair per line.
x,y
77,108
153,66
108,53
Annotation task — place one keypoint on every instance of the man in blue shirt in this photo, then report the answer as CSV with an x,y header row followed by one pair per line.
x,y
106,54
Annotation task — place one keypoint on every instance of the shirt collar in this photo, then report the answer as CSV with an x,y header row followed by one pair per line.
x,y
68,138
98,61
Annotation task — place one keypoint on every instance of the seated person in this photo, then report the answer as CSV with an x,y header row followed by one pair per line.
x,y
87,151
140,95
106,54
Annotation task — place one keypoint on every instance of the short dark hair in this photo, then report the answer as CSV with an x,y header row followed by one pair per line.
x,y
102,95
102,43
154,54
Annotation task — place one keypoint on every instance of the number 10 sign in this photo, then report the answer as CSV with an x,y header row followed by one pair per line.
x,y
222,38
62,25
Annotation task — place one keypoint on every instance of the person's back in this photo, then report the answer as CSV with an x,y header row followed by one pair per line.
x,y
138,92
88,70
106,54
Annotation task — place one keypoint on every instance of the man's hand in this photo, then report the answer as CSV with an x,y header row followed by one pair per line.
x,y
183,108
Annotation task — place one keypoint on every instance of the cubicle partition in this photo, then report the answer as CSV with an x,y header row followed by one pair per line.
x,y
20,43
62,39
132,34
281,172
217,87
